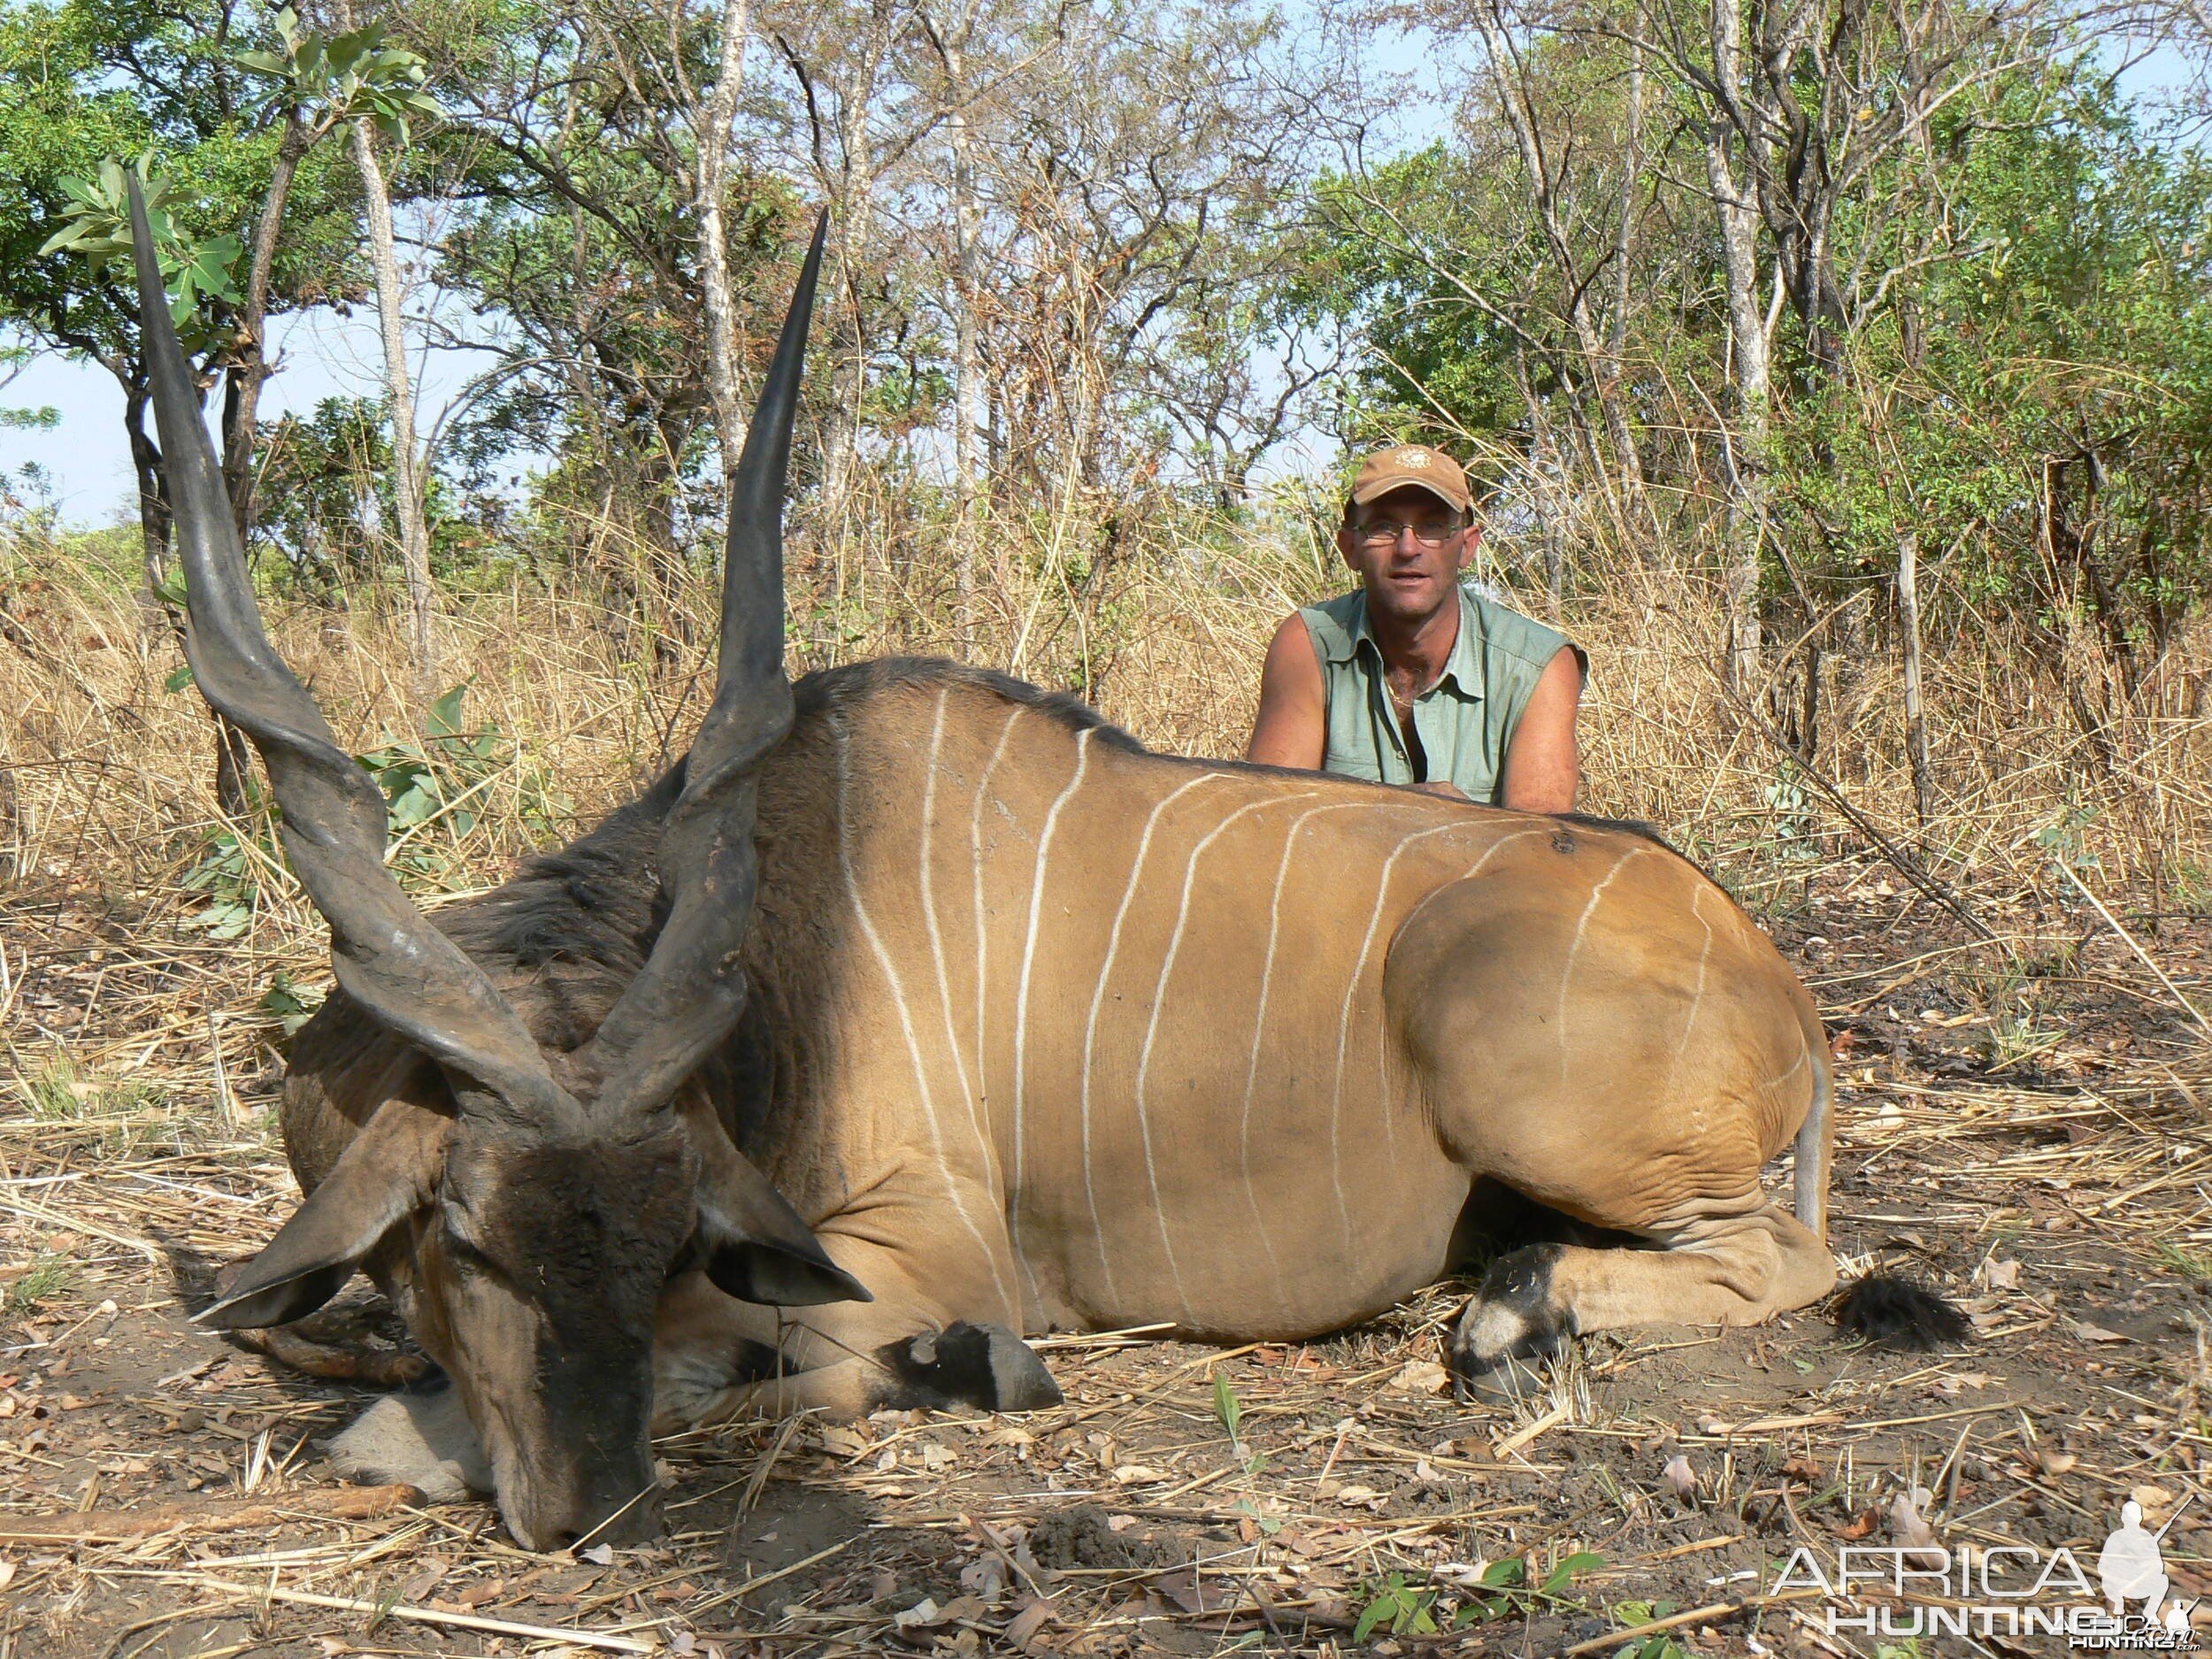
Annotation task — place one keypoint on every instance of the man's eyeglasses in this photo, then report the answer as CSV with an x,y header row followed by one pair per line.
x,y
1383,533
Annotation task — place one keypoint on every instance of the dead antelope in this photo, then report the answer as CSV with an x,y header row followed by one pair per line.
x,y
1034,1029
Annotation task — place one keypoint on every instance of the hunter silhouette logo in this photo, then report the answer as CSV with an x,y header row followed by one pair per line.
x,y
2131,1567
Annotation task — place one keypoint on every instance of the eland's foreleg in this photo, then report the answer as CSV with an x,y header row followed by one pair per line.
x,y
942,1330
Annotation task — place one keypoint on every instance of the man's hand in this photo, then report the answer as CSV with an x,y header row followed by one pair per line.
x,y
1292,727
1542,767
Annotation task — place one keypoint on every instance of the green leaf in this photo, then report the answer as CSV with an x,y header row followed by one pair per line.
x,y
1499,1574
444,719
1564,1574
67,236
179,680
1226,1406
1376,1611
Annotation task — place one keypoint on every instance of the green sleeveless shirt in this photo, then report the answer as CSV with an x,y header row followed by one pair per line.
x,y
1464,721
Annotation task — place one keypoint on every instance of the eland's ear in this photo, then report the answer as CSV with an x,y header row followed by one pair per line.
x,y
379,1178
755,1246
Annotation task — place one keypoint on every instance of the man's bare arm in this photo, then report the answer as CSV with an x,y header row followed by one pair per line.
x,y
1542,766
1292,727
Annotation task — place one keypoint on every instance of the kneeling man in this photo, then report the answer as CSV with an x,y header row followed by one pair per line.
x,y
1412,679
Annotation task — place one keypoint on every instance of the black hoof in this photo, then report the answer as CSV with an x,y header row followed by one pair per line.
x,y
1512,1315
982,1365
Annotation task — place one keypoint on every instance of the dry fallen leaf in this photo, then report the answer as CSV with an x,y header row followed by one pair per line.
x,y
1923,1548
1132,1474
2002,1275
1187,1590
923,1613
2055,1463
984,1576
1025,1624
1680,1478
1421,1377
2154,1498
2089,1333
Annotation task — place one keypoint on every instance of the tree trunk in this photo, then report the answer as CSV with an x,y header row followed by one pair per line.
x,y
1745,448
1599,380
712,137
153,505
414,537
249,370
967,390
1909,640
841,425
1628,461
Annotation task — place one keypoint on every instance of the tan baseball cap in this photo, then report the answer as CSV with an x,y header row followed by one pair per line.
x,y
1416,465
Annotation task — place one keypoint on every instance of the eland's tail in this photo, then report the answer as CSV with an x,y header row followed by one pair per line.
x,y
1816,1135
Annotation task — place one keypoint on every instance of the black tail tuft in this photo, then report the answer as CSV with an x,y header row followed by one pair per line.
x,y
1883,1308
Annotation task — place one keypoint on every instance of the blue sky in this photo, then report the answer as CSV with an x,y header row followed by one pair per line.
x,y
87,462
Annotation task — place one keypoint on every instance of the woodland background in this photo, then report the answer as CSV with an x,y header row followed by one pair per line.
x,y
1842,372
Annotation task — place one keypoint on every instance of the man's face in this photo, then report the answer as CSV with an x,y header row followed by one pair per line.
x,y
1409,549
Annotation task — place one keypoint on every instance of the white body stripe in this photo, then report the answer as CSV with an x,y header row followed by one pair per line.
x,y
1259,1029
906,1024
982,968
1098,998
937,943
1697,996
1574,950
1344,1021
1152,1028
1021,997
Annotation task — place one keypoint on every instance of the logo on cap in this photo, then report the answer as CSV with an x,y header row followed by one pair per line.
x,y
1412,458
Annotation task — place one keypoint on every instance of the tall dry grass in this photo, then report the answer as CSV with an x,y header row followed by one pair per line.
x,y
107,804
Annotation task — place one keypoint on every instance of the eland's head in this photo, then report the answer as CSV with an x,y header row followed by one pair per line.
x,y
540,1199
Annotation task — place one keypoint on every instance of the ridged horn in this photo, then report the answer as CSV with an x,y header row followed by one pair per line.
x,y
388,958
691,990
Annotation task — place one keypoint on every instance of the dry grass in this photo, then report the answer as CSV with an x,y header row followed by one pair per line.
x,y
135,1148
109,775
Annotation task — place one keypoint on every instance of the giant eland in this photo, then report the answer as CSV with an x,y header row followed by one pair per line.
x,y
916,979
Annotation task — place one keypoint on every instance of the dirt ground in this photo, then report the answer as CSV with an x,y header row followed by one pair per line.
x,y
2025,1126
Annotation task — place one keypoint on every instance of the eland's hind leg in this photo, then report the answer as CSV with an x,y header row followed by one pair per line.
x,y
1600,1029
1714,1269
